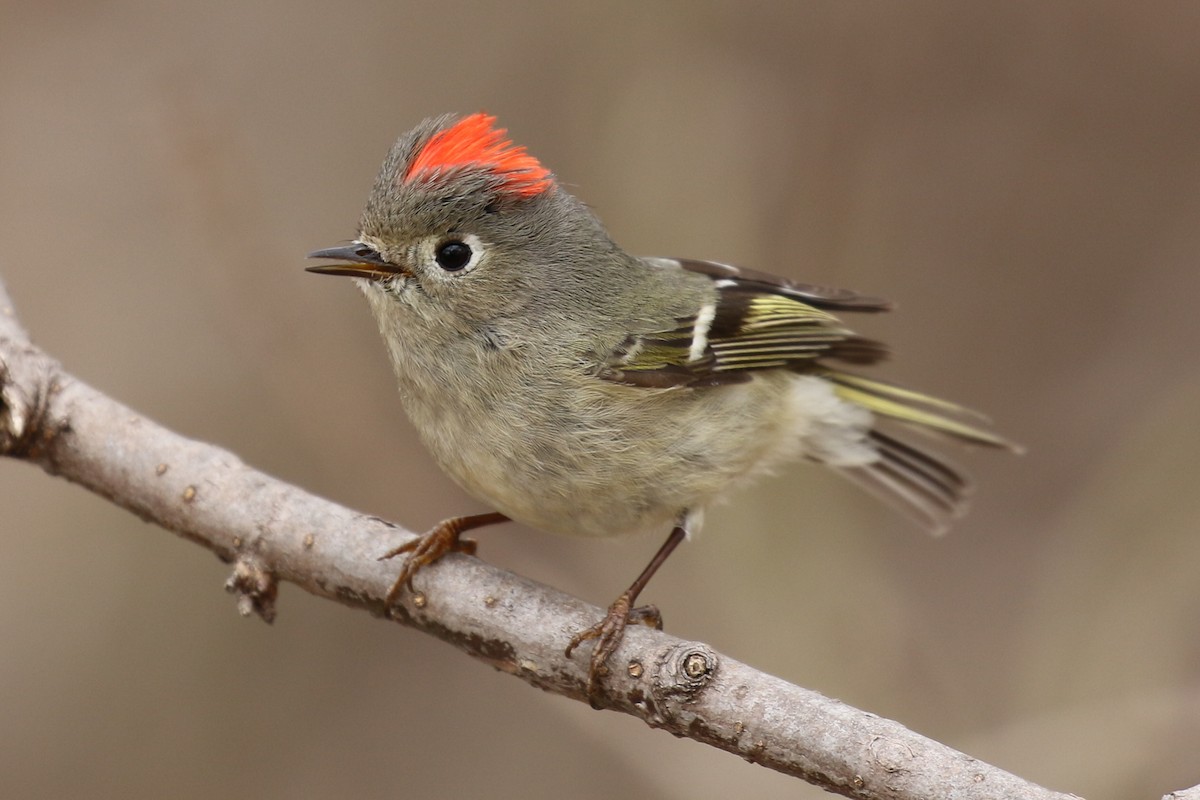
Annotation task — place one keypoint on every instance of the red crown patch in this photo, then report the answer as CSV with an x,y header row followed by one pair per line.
x,y
475,142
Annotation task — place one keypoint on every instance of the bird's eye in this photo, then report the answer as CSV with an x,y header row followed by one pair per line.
x,y
452,255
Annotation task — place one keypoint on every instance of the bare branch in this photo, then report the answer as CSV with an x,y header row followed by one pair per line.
x,y
272,531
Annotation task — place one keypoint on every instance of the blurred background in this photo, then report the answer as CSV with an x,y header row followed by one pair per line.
x,y
1022,178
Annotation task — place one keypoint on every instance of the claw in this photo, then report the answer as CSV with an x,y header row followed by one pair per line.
x,y
608,633
441,539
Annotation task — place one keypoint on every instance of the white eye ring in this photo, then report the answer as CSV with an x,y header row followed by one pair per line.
x,y
456,255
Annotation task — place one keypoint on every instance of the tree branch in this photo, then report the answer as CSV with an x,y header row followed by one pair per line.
x,y
272,531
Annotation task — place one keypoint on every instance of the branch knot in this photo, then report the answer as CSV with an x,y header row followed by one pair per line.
x,y
683,672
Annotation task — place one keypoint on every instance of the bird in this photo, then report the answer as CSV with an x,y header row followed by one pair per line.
x,y
585,391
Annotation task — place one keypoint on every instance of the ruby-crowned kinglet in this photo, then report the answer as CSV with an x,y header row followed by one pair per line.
x,y
585,391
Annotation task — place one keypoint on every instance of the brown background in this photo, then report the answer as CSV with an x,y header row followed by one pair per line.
x,y
1022,177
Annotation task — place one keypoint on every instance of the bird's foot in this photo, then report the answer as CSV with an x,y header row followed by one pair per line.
x,y
608,633
422,551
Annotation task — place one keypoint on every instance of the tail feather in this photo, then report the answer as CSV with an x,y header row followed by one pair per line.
x,y
914,408
925,489
919,484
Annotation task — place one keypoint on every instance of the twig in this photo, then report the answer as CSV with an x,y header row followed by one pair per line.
x,y
272,531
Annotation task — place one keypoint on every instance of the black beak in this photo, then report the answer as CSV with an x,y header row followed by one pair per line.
x,y
365,262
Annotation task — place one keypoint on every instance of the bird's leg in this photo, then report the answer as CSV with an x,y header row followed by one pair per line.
x,y
432,545
609,631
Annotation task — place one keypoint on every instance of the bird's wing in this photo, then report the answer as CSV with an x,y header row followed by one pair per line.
x,y
754,321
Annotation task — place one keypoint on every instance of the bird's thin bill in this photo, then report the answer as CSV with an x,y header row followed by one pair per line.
x,y
365,262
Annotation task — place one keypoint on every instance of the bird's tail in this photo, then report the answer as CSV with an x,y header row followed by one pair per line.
x,y
920,484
